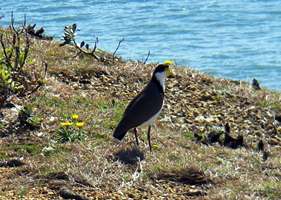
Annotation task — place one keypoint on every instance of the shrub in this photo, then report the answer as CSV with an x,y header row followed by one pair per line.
x,y
14,52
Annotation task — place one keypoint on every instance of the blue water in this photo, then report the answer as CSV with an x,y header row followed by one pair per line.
x,y
238,39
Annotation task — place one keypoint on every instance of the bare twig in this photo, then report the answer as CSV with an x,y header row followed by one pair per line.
x,y
7,60
13,43
13,23
119,43
92,53
96,43
77,54
45,68
26,50
33,90
148,54
16,46
17,52
24,24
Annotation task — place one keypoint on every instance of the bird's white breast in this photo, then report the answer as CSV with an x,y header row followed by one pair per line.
x,y
153,118
161,77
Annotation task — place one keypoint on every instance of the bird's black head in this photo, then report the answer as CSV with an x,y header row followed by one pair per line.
x,y
164,68
161,68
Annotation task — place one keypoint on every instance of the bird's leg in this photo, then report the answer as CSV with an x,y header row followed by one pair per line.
x,y
136,135
148,137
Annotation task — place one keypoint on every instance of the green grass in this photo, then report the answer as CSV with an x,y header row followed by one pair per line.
x,y
3,155
22,192
56,160
59,149
239,172
270,189
270,104
2,125
19,150
188,135
110,112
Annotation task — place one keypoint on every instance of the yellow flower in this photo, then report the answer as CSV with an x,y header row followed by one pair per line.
x,y
168,62
79,124
66,123
74,116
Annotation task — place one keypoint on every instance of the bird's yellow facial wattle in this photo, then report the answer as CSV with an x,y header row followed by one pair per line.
x,y
169,72
168,62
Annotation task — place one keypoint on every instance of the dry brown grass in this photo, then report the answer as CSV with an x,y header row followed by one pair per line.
x,y
95,167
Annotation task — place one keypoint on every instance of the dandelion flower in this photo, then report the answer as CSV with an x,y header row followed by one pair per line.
x,y
79,124
74,116
66,123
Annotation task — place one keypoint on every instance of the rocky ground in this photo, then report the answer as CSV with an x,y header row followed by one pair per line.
x,y
215,139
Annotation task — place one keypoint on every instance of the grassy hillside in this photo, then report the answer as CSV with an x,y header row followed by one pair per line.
x,y
43,157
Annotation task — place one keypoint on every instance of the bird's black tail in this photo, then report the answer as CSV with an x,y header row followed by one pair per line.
x,y
120,132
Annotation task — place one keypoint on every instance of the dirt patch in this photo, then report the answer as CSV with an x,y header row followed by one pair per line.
x,y
190,176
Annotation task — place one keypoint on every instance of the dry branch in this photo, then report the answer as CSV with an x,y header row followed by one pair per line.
x,y
119,43
148,54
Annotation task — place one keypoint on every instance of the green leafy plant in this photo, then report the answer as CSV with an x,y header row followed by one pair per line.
x,y
83,48
189,135
14,56
71,130
28,119
1,125
7,84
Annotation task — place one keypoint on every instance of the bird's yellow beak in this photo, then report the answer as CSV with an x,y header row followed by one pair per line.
x,y
169,71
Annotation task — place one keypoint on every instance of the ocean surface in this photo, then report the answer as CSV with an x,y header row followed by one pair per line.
x,y
238,39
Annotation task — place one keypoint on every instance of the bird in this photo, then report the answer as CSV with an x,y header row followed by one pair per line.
x,y
231,142
277,118
256,84
146,106
39,32
260,146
